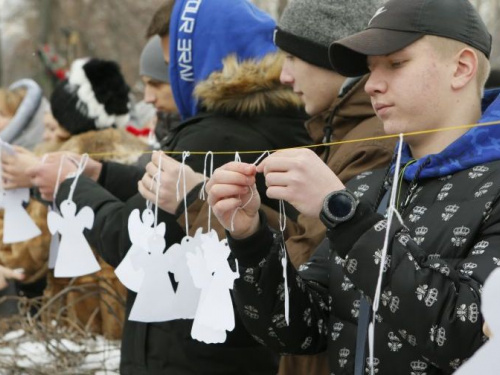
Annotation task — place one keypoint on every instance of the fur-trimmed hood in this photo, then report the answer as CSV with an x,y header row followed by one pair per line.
x,y
247,88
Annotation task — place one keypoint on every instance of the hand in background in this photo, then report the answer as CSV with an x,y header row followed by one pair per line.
x,y
45,174
15,168
6,274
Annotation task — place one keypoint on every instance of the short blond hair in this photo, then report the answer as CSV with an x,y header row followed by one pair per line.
x,y
448,47
10,100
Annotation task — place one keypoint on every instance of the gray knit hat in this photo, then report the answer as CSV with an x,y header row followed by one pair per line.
x,y
308,27
152,63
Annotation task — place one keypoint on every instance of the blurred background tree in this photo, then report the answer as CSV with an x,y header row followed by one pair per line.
x,y
111,29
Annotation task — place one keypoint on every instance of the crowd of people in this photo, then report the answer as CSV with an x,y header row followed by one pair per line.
x,y
360,211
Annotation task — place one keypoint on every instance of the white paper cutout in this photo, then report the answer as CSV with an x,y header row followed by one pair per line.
x,y
212,274
156,294
485,360
18,226
187,295
55,240
75,257
140,229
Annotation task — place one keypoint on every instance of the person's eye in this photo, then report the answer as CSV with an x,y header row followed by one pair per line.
x,y
397,64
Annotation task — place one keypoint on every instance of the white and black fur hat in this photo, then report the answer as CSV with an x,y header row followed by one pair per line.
x,y
93,96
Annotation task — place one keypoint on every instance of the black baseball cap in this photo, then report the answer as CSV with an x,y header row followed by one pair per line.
x,y
399,23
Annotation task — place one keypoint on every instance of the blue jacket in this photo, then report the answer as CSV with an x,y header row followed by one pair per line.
x,y
460,155
203,33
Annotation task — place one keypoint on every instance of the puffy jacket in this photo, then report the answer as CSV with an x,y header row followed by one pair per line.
x,y
429,320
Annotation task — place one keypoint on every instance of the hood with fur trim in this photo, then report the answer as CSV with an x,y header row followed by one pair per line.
x,y
247,88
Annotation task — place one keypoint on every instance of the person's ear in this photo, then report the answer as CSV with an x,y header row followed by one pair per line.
x,y
465,68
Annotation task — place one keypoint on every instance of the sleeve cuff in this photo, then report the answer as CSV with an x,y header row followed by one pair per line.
x,y
250,251
102,176
344,236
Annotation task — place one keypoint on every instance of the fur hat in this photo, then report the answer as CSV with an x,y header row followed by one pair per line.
x,y
94,96
308,27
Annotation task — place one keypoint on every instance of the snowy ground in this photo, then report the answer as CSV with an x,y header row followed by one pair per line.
x,y
96,356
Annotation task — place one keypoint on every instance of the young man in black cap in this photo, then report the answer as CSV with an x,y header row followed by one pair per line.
x,y
428,60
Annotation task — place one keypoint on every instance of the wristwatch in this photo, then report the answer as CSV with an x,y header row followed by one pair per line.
x,y
338,207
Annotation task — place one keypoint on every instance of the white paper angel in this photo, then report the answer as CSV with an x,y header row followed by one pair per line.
x,y
75,257
18,225
187,295
140,229
154,299
213,275
485,360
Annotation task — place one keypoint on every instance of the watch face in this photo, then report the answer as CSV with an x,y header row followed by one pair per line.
x,y
340,205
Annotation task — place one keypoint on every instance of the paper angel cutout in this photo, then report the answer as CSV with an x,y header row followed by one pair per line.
x,y
75,257
140,229
17,224
154,299
54,243
213,275
485,360
187,294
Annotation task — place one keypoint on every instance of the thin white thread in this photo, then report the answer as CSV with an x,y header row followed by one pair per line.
x,y
205,180
81,167
237,159
182,172
391,211
266,153
284,260
211,154
157,195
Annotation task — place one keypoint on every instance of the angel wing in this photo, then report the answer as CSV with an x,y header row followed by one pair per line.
x,y
54,221
135,230
86,217
161,229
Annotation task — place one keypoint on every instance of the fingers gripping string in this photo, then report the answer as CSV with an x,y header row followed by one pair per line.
x,y
182,172
205,180
81,167
284,260
237,159
392,211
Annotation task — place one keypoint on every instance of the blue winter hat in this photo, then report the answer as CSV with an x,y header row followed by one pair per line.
x,y
203,33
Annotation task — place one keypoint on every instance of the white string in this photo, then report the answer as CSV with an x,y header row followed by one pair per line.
x,y
157,194
205,180
182,171
205,176
266,153
391,211
81,167
237,159
284,259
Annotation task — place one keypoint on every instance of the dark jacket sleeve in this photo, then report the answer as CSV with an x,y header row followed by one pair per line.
x,y
120,179
259,295
438,300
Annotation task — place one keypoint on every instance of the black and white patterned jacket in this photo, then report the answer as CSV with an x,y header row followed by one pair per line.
x,y
429,319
